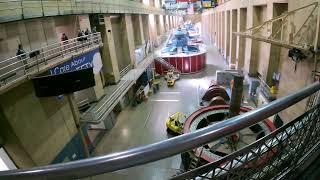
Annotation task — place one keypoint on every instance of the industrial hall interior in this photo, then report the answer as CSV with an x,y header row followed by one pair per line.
x,y
159,89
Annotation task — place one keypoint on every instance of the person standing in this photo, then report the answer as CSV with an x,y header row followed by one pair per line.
x,y
22,55
94,29
64,40
20,52
64,37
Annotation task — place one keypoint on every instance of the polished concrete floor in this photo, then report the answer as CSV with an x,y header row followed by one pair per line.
x,y
145,123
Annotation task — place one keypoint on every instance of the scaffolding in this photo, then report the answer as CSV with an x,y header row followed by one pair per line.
x,y
303,37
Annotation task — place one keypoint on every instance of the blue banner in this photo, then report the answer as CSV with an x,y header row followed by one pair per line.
x,y
77,63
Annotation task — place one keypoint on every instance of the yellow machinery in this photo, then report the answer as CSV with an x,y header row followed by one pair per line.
x,y
174,123
171,77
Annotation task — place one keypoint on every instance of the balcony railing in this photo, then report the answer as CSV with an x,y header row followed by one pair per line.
x,y
12,10
272,156
31,63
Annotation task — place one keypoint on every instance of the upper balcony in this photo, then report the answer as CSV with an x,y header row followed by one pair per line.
x,y
12,10
18,69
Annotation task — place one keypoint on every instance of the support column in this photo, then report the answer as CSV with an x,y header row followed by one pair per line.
x,y
109,56
161,25
138,35
211,24
152,28
173,22
227,35
250,65
241,42
275,51
221,32
84,22
141,29
158,26
236,95
130,38
166,23
218,30
233,38
146,29
214,24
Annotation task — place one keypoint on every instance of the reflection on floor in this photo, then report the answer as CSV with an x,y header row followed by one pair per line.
x,y
145,123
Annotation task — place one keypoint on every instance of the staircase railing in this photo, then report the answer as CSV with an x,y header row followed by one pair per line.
x,y
17,68
264,149
166,64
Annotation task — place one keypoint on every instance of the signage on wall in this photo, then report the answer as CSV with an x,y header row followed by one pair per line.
x,y
87,60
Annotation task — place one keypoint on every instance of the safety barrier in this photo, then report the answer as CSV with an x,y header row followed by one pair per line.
x,y
271,156
101,111
13,10
26,65
279,154
125,70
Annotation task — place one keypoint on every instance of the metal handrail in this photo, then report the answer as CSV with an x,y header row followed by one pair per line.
x,y
98,114
149,153
23,65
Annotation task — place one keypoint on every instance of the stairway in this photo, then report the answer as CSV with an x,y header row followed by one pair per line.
x,y
167,65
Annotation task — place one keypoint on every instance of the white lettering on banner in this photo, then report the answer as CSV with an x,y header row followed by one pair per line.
x,y
84,66
80,63
76,62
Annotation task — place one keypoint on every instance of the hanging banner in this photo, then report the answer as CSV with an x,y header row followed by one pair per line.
x,y
87,60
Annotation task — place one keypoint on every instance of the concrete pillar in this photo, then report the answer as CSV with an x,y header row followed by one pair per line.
x,y
137,30
145,24
233,38
161,24
241,42
157,25
236,95
84,22
35,129
213,33
109,56
167,23
250,65
141,29
130,38
173,23
227,35
68,25
219,30
152,28
211,25
274,60
262,57
151,3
